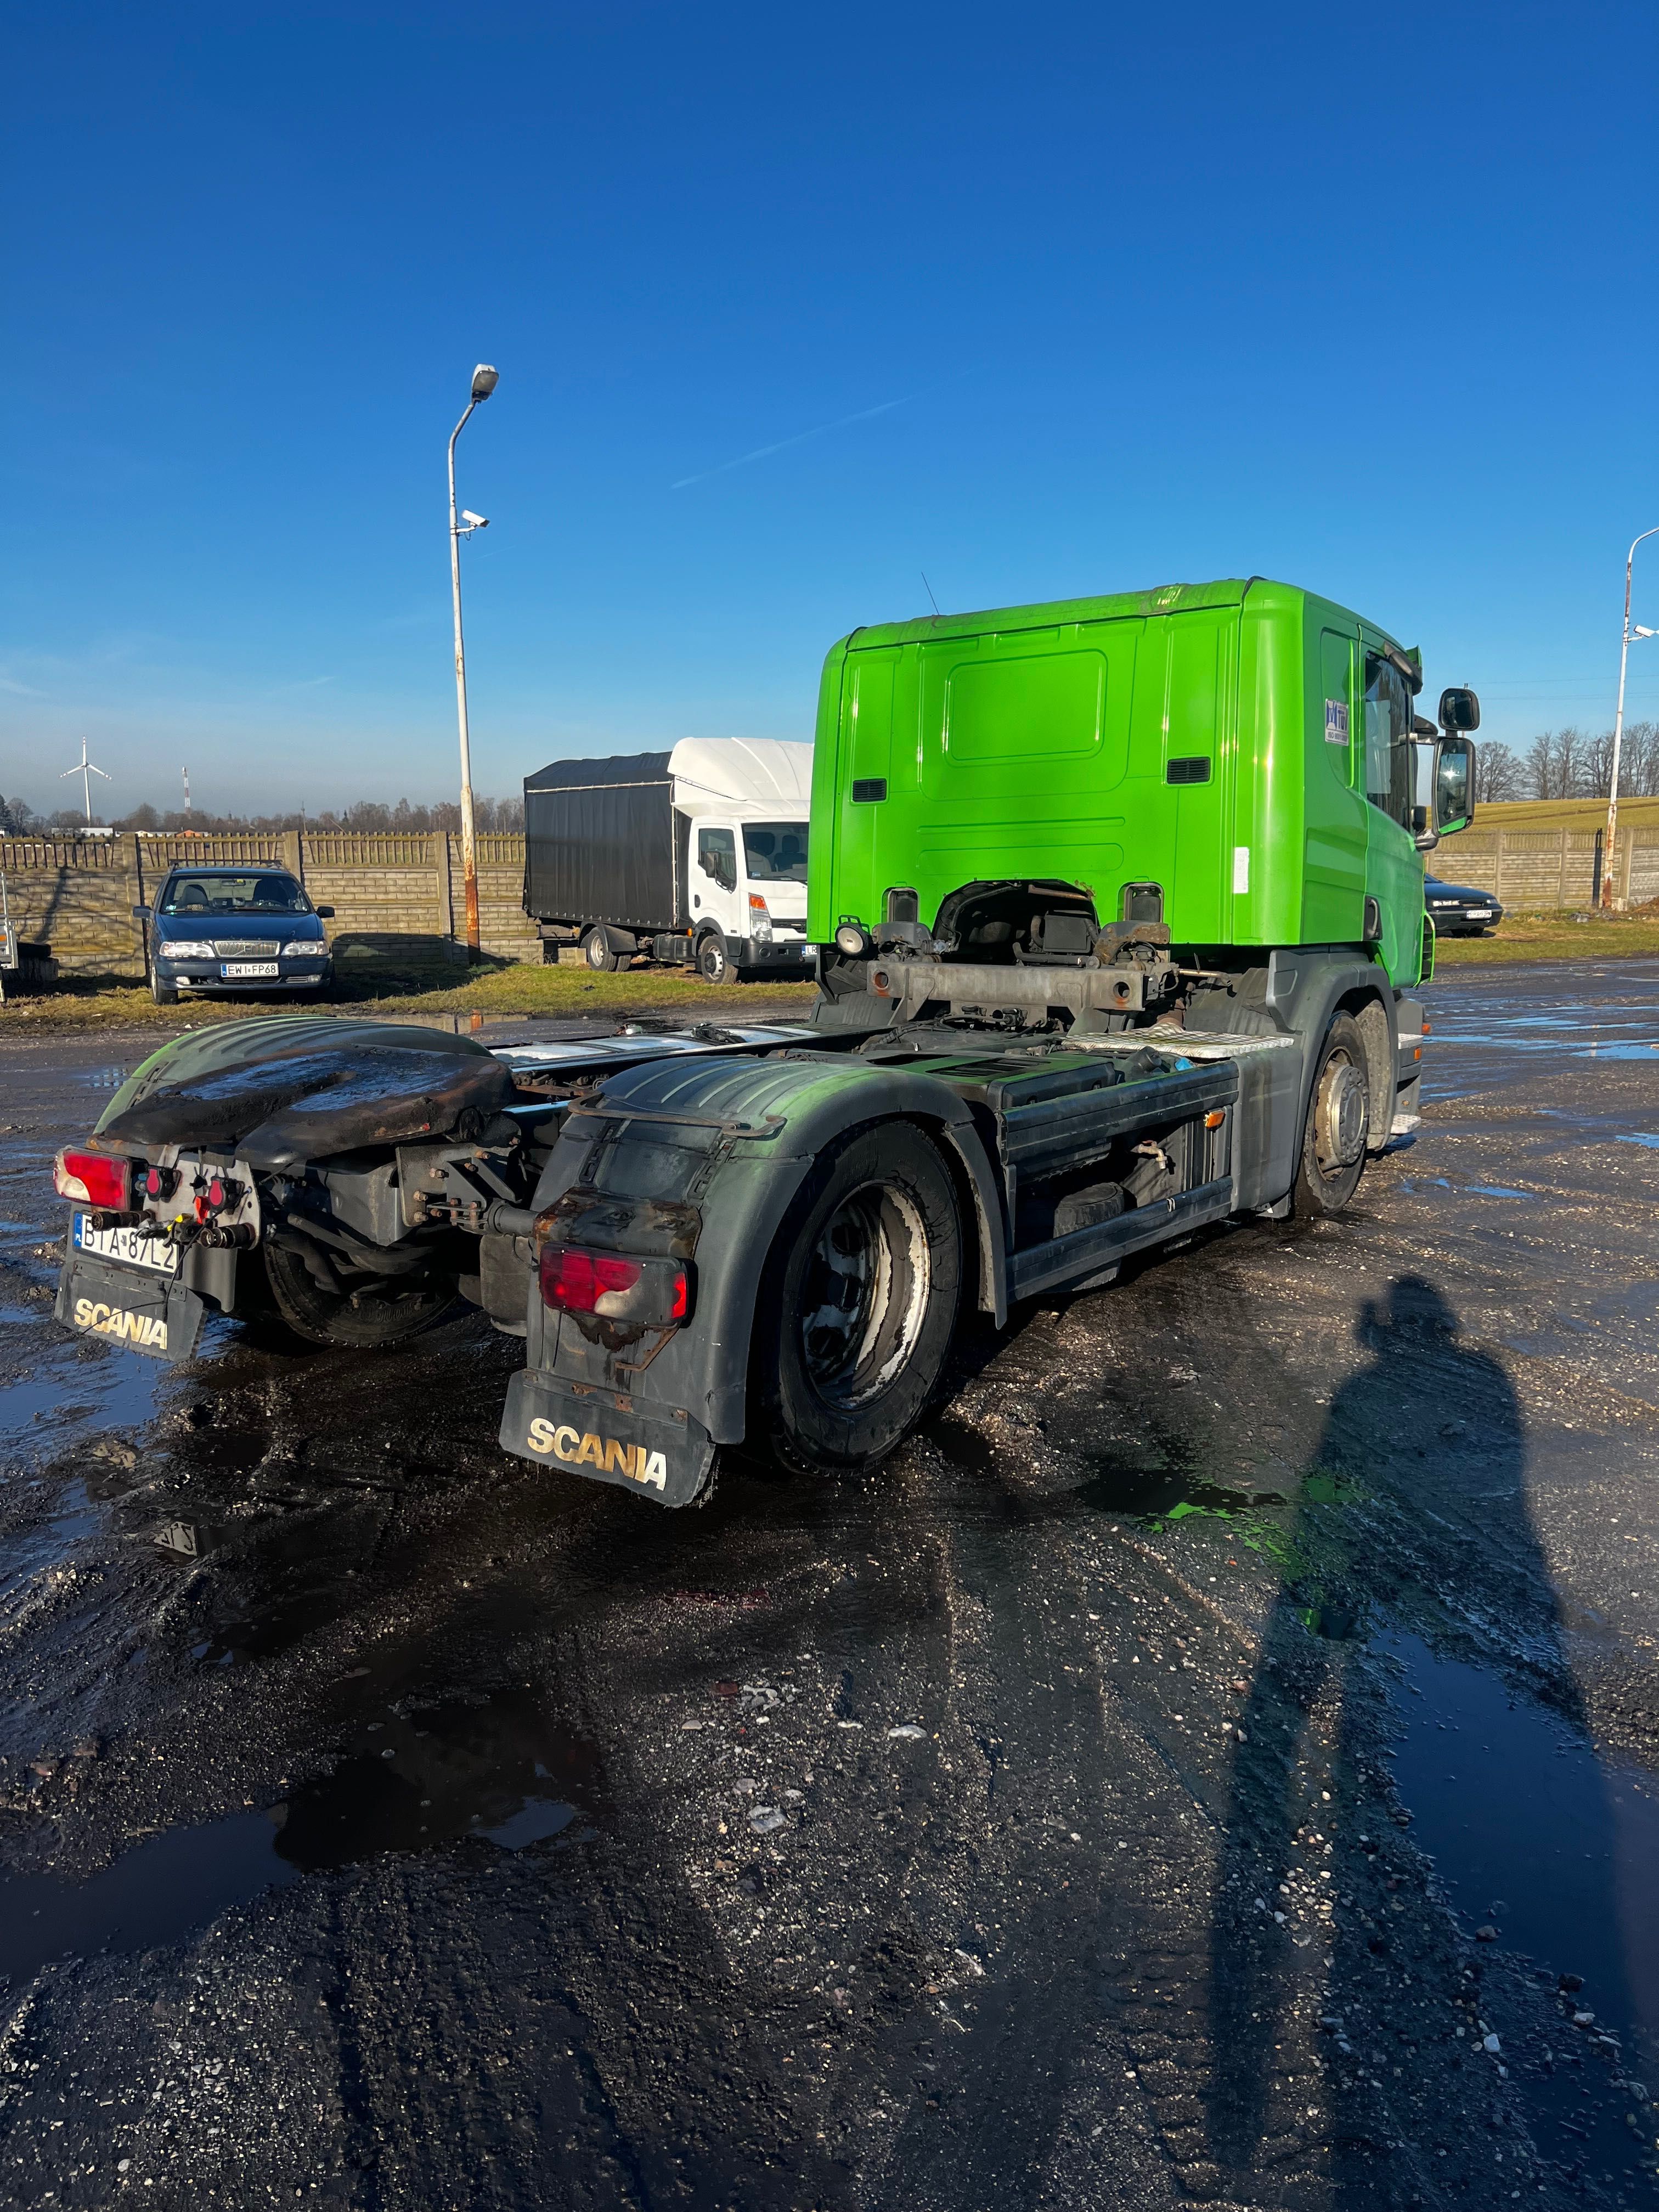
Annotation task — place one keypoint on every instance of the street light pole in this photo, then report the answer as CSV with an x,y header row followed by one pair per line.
x,y
1619,723
484,380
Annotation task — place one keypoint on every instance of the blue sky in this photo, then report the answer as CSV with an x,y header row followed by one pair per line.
x,y
790,307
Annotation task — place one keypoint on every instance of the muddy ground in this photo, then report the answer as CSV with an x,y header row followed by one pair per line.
x,y
1217,1762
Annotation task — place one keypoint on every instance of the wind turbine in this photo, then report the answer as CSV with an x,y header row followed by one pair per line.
x,y
86,770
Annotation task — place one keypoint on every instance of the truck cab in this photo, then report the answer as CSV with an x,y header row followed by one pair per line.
x,y
748,892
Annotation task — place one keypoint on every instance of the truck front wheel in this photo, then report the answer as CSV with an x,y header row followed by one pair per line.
x,y
857,1303
1339,1120
714,961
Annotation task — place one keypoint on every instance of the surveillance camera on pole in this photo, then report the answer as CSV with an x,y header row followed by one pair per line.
x,y
484,380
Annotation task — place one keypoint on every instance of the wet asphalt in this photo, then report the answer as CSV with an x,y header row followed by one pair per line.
x,y
1217,1762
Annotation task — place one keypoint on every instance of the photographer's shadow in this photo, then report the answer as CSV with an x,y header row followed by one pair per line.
x,y
1430,1427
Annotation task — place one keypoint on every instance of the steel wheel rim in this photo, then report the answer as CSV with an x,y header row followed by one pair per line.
x,y
1332,1155
864,1295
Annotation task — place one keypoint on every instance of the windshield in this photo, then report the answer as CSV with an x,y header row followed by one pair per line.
x,y
775,851
264,891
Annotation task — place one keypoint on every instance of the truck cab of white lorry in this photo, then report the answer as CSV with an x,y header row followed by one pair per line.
x,y
748,893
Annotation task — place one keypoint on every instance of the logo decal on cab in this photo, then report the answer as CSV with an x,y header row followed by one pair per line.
x,y
148,1329
603,1453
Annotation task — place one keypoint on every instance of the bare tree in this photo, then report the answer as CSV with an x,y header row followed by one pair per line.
x,y
370,816
1498,774
1572,763
1540,765
1596,767
1638,761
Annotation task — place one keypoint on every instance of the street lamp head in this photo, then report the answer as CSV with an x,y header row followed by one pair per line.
x,y
484,380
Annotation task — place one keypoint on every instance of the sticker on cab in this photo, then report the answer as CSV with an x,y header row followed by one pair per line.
x,y
1336,722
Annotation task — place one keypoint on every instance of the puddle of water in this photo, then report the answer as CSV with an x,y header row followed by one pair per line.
x,y
500,1771
1533,1834
68,1392
154,1893
1412,1184
1495,1036
1652,1143
496,1772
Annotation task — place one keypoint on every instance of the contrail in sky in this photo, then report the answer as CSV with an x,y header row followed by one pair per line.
x,y
762,452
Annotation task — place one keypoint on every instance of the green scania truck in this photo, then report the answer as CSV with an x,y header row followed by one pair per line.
x,y
1119,910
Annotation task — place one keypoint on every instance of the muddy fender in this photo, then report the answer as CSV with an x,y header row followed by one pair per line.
x,y
733,1140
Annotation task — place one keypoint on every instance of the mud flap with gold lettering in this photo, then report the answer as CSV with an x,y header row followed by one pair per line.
x,y
663,1456
153,1313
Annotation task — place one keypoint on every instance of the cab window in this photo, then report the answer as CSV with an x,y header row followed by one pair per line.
x,y
717,856
775,851
1389,757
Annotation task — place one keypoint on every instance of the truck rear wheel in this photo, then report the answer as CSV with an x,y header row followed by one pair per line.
x,y
597,952
857,1303
1339,1120
368,1316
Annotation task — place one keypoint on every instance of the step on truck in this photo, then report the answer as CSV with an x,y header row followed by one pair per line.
x,y
1118,906
697,856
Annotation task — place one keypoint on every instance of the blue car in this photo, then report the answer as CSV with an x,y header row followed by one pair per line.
x,y
235,930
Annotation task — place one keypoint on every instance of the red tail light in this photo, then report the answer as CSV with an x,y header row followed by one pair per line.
x,y
94,1178
572,1280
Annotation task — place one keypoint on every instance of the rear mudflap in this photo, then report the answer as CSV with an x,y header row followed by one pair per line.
x,y
153,1313
662,1453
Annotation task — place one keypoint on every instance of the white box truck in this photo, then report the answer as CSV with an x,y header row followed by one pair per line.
x,y
696,856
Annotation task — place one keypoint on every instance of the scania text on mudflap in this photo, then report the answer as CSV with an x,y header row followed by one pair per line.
x,y
1118,906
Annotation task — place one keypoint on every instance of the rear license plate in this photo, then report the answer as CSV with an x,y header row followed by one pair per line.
x,y
231,971
153,1253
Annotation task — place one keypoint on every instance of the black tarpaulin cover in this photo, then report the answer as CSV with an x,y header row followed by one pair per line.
x,y
598,843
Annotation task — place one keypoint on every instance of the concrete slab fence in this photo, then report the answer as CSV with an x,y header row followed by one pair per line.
x,y
1546,868
397,900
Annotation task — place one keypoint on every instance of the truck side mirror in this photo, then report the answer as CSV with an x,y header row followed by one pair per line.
x,y
1425,753
1459,710
1454,784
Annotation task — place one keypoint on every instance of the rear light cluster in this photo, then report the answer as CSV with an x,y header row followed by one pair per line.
x,y
97,1179
655,1293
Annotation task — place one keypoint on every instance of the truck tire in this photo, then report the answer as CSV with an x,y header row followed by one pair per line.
x,y
367,1319
714,961
1339,1120
857,1303
597,950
